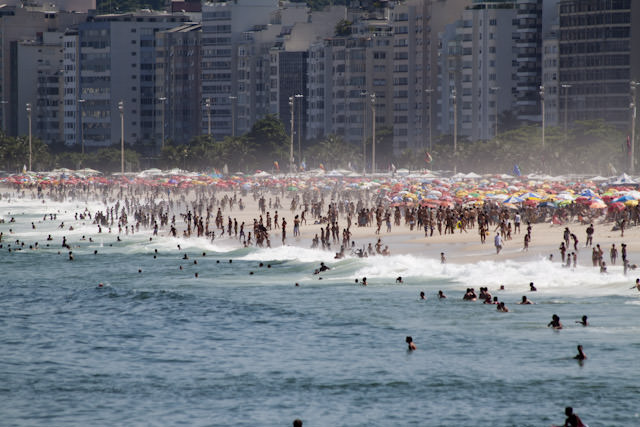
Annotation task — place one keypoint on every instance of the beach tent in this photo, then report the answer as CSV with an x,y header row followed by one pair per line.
x,y
624,179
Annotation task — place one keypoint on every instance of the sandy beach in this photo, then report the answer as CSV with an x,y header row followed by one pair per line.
x,y
460,247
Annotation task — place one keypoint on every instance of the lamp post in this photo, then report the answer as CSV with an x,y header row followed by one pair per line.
x,y
162,99
292,108
455,120
299,96
233,114
121,109
634,110
542,103
428,115
495,90
207,105
566,99
28,106
80,110
373,133
363,93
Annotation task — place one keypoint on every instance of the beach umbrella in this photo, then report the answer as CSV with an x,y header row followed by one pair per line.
x,y
513,199
587,193
597,204
624,198
547,204
616,206
631,203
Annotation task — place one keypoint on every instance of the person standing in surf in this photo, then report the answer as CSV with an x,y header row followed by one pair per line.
x,y
497,241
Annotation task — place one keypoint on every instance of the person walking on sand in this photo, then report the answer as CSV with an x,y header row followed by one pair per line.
x,y
590,231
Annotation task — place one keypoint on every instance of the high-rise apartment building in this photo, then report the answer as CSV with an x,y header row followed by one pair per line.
x,y
20,24
599,56
39,83
383,53
528,41
178,83
111,59
223,26
478,76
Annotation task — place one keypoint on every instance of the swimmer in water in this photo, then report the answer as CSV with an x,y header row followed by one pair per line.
x,y
555,322
532,288
441,295
399,279
583,321
503,308
422,296
580,355
525,300
411,345
572,420
637,285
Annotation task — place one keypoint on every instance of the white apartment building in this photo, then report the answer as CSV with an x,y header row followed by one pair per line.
x,y
223,27
385,55
488,72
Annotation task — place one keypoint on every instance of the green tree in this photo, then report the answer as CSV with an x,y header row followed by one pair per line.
x,y
343,28
334,152
270,141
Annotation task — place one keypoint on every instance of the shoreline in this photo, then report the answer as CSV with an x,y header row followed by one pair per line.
x,y
458,248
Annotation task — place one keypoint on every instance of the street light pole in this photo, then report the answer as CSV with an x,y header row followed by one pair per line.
x,y
455,127
428,115
80,110
542,99
207,105
121,109
233,114
634,108
373,133
29,117
299,96
566,99
292,108
163,100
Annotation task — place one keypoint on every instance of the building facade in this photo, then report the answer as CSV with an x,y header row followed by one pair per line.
x,y
111,59
599,56
178,83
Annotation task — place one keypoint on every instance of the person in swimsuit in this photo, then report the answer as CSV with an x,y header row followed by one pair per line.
x,y
409,341
555,322
573,420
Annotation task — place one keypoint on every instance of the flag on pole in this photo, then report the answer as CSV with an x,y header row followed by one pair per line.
x,y
628,145
304,165
516,170
276,165
321,166
427,157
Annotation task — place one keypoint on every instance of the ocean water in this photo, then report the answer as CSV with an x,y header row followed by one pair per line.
x,y
162,347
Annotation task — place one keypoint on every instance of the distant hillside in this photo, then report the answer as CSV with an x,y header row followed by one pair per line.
x,y
114,6
111,6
